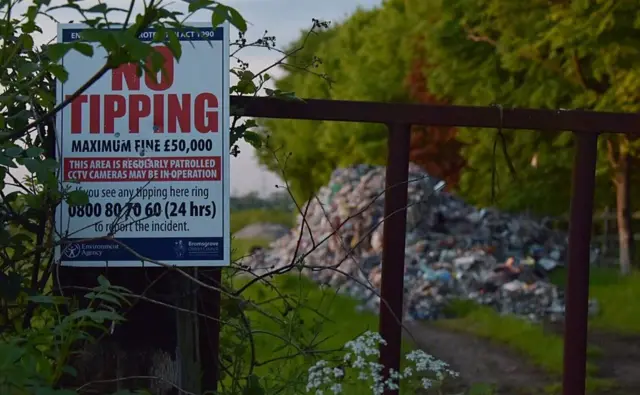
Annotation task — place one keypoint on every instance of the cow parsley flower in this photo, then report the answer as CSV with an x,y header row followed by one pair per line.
x,y
361,364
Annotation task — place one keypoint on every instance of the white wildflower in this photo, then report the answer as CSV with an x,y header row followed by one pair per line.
x,y
359,362
362,359
407,372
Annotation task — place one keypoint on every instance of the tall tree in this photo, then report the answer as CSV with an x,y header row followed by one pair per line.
x,y
561,54
368,57
436,149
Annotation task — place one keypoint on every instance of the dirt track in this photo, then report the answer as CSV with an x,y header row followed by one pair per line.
x,y
481,361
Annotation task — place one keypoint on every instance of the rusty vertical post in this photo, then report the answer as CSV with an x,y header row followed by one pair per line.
x,y
393,244
577,287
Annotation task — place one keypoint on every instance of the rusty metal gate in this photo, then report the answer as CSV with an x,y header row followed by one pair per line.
x,y
150,328
585,125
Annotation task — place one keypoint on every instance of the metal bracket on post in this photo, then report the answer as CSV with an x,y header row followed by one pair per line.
x,y
394,235
577,287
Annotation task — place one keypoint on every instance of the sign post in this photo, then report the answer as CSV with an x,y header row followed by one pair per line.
x,y
152,153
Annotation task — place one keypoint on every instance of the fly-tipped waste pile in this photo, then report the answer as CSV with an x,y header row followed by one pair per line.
x,y
453,250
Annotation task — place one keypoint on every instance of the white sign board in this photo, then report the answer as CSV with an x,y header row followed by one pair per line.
x,y
152,154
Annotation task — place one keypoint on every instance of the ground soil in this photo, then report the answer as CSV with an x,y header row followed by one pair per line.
x,y
482,361
620,360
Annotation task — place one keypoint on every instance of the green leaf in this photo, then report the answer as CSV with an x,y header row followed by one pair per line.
x,y
83,48
199,4
103,296
34,201
13,151
250,123
174,45
247,75
160,34
58,50
12,196
137,49
27,41
106,38
44,98
236,19
28,68
30,27
102,280
94,35
218,17
253,386
9,354
5,236
246,87
50,164
70,370
59,72
33,165
34,152
253,138
157,61
99,8
21,238
77,198
105,315
32,12
47,299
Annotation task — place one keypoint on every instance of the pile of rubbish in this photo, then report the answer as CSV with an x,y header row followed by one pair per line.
x,y
453,250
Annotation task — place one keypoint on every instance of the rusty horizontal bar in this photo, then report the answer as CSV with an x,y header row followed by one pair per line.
x,y
436,115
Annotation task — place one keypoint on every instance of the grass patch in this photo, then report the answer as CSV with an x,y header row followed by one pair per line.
x,y
314,315
242,218
542,348
615,294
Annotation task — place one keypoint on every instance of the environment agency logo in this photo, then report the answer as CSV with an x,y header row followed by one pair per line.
x,y
72,251
179,249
